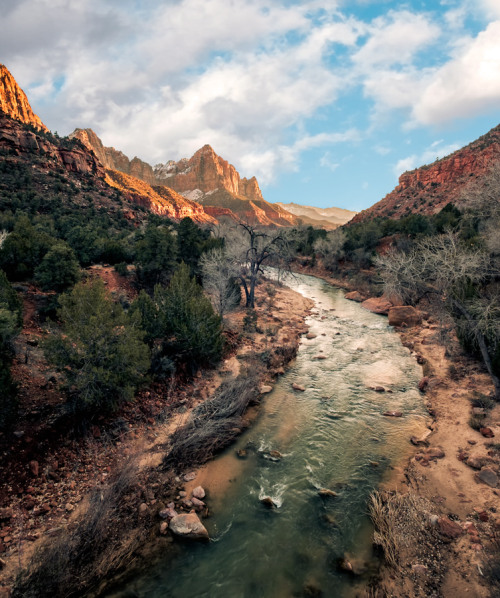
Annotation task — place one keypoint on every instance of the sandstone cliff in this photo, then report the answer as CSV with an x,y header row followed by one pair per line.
x,y
428,189
159,199
14,103
212,181
17,140
114,159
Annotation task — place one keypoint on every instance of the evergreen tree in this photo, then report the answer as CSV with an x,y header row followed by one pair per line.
x,y
59,268
99,349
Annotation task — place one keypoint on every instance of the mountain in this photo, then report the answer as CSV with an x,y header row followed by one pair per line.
x,y
328,218
212,181
426,190
114,159
13,101
205,178
50,164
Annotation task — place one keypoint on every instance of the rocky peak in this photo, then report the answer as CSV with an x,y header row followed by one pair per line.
x,y
207,172
14,103
114,159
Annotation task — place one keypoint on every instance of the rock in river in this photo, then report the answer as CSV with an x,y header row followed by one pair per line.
x,y
199,492
296,386
188,525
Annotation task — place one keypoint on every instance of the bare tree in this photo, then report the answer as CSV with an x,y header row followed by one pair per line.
x,y
220,272
331,248
252,248
457,277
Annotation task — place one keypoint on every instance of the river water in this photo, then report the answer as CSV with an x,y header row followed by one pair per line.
x,y
332,436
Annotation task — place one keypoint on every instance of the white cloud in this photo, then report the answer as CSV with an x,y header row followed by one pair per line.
x,y
396,39
468,84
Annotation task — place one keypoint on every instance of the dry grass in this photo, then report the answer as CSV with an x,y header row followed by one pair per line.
x,y
91,549
398,520
212,425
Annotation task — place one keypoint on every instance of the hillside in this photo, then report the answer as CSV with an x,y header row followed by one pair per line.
x,y
426,190
329,218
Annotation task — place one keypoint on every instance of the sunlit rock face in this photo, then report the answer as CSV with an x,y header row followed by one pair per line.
x,y
212,181
428,189
13,101
114,159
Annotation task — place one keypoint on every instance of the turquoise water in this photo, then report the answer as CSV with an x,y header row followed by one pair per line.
x,y
333,436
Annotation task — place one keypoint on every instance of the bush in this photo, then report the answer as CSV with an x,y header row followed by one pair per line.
x,y
192,330
100,349
10,325
59,269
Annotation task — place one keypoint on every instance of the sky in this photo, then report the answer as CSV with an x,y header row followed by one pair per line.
x,y
326,102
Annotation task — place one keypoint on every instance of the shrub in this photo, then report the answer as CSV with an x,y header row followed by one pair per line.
x,y
59,269
192,330
99,349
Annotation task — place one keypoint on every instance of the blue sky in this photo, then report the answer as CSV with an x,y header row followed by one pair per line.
x,y
326,102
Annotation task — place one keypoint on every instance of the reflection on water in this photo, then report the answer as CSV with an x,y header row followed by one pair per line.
x,y
331,436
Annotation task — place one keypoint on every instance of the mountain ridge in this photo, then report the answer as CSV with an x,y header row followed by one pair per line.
x,y
429,188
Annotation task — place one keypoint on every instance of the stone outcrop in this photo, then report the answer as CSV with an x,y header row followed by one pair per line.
x,y
160,200
14,103
113,159
18,140
212,181
428,189
404,315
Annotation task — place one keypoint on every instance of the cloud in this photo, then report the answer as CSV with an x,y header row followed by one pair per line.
x,y
466,85
432,153
395,39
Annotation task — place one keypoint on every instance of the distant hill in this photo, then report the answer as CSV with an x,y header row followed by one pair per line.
x,y
328,218
426,190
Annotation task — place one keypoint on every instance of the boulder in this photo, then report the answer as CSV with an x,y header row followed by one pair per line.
x,y
354,296
188,525
34,468
199,493
311,335
377,305
189,476
168,513
197,504
265,389
487,432
434,453
423,384
392,414
326,492
448,528
268,502
404,315
488,476
296,386
319,357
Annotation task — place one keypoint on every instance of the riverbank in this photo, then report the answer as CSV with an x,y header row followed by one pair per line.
x,y
453,474
270,341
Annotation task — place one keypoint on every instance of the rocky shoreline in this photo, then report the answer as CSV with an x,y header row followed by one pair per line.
x,y
452,479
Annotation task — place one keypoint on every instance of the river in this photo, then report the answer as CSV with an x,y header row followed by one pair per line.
x,y
332,436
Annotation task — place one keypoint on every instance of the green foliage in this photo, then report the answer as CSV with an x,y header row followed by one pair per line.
x,y
155,255
24,249
99,349
191,329
59,269
10,324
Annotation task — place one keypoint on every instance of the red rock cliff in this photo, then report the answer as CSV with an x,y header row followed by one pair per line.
x,y
13,101
428,189
114,159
